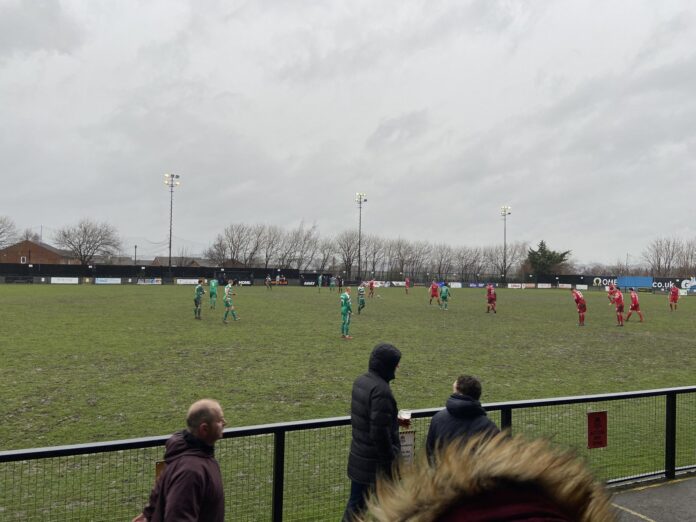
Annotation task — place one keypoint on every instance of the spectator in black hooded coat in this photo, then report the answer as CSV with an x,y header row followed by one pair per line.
x,y
462,417
375,445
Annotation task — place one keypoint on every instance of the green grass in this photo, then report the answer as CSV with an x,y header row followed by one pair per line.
x,y
92,363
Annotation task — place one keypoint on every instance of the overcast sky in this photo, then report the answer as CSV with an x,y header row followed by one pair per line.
x,y
579,115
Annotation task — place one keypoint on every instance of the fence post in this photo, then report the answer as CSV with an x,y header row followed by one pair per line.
x,y
506,419
278,474
670,435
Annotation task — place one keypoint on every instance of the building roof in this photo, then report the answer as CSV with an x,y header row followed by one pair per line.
x,y
40,244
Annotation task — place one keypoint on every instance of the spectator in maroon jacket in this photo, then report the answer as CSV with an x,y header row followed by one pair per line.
x,y
190,487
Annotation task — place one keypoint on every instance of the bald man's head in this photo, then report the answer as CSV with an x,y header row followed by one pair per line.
x,y
205,420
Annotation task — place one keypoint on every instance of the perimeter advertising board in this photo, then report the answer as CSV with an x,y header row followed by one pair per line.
x,y
150,281
65,280
107,280
186,281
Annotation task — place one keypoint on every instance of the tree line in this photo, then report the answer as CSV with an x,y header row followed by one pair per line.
x,y
304,249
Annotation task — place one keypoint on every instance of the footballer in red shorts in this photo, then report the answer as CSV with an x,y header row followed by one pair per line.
x,y
618,301
581,304
673,298
491,298
635,305
434,292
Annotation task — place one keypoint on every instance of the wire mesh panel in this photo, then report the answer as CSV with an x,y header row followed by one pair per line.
x,y
635,433
98,486
316,484
686,432
115,484
246,464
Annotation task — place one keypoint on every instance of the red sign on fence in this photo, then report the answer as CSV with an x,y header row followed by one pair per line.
x,y
597,429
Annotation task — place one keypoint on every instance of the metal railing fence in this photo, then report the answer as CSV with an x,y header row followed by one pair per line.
x,y
296,471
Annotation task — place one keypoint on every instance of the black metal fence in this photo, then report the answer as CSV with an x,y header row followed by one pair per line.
x,y
296,471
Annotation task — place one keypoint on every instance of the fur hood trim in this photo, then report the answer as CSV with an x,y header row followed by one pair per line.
x,y
478,466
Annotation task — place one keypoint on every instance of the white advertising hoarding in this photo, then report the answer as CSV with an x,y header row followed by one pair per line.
x,y
185,281
65,280
150,281
107,280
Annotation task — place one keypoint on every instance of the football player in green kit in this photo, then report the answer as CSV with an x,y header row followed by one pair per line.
x,y
444,295
212,292
361,297
346,311
197,298
229,307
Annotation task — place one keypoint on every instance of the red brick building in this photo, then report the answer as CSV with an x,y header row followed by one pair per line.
x,y
30,252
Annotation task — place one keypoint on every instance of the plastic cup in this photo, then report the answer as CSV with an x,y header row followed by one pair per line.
x,y
404,418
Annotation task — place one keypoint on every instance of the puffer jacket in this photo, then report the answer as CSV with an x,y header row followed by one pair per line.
x,y
461,418
375,445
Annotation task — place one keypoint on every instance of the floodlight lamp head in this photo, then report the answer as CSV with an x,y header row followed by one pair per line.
x,y
505,210
360,197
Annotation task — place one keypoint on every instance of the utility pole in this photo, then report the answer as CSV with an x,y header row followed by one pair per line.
x,y
505,212
171,180
360,198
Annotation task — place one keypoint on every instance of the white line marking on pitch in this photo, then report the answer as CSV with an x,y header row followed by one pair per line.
x,y
642,517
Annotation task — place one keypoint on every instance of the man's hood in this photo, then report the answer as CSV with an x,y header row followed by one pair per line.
x,y
464,407
184,443
384,360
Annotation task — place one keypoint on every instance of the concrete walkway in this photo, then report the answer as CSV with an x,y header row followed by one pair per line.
x,y
673,501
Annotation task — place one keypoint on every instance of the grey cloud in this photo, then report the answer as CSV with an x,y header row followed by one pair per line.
x,y
664,37
37,25
359,44
399,131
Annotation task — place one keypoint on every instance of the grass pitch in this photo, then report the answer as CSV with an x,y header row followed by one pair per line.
x,y
92,363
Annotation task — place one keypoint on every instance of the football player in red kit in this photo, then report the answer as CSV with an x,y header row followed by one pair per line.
x,y
618,301
581,304
435,292
611,292
490,298
673,298
635,306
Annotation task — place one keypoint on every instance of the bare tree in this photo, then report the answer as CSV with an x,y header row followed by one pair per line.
x,y
503,262
29,235
347,248
183,258
270,245
253,245
237,238
442,260
217,252
326,250
87,239
401,253
8,231
469,262
287,249
417,264
662,256
307,244
373,253
686,261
